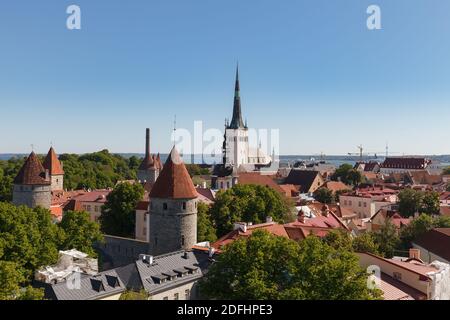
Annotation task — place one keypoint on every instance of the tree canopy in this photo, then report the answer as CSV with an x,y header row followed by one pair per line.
x,y
205,226
80,232
30,240
248,203
324,195
264,266
419,226
118,213
347,175
97,170
415,201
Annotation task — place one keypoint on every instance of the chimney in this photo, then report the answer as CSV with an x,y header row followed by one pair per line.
x,y
204,184
240,226
301,216
146,258
269,219
414,254
147,142
325,210
211,251
47,175
185,255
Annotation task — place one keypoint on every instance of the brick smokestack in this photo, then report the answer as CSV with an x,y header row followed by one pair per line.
x,y
147,142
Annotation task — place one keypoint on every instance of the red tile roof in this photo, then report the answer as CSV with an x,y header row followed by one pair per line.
x,y
336,186
272,227
302,178
445,210
143,205
147,163
32,172
436,241
57,212
396,290
405,163
93,196
205,195
259,179
174,181
329,221
52,164
73,205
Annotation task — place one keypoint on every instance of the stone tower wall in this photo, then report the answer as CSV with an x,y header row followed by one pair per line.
x,y
32,195
168,227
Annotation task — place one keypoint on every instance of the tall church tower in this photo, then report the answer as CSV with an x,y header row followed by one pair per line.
x,y
55,169
32,185
236,149
149,169
173,208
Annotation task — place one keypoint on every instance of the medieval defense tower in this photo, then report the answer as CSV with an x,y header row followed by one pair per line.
x,y
173,208
55,169
32,185
150,166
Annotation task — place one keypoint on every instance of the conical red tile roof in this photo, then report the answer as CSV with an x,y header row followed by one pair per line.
x,y
174,181
52,164
147,163
32,172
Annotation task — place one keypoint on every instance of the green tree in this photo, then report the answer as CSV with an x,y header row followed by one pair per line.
x,y
419,226
118,213
342,240
430,203
387,239
347,175
30,293
354,177
339,240
28,237
265,266
205,227
80,232
365,243
196,170
409,202
446,171
97,170
133,295
324,195
10,279
248,203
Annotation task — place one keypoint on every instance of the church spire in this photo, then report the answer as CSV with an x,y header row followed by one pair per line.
x,y
236,121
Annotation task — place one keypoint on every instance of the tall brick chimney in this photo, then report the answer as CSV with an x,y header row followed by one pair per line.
x,y
147,142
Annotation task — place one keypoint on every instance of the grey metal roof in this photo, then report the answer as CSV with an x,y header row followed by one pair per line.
x,y
168,267
102,285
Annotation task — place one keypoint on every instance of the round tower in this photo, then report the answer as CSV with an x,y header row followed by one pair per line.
x,y
173,208
148,170
32,185
55,169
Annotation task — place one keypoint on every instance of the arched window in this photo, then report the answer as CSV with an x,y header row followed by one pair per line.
x,y
164,206
182,240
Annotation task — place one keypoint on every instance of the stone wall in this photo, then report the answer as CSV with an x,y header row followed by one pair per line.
x,y
32,195
57,182
173,227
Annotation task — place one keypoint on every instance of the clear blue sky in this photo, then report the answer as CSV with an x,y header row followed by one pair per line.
x,y
310,68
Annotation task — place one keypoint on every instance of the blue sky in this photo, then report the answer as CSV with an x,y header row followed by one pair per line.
x,y
309,68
